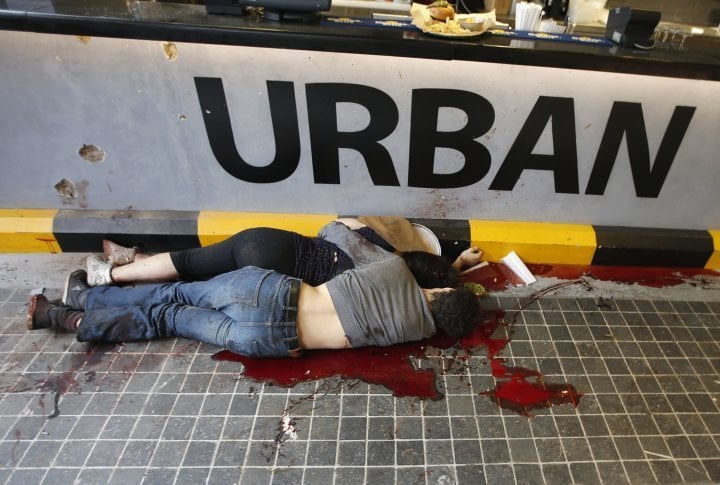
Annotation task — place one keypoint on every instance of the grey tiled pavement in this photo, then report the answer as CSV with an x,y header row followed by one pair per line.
x,y
166,412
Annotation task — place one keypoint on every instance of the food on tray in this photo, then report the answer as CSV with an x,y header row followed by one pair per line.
x,y
472,22
448,27
440,18
441,10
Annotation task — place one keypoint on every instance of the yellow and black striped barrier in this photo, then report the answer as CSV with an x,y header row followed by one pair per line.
x,y
55,231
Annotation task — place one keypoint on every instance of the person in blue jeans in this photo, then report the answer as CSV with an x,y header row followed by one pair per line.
x,y
262,313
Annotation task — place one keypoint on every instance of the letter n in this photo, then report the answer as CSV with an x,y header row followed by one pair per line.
x,y
626,119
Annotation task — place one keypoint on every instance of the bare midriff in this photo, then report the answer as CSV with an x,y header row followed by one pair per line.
x,y
318,324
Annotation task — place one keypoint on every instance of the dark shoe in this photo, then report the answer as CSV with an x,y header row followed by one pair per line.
x,y
75,285
38,315
43,314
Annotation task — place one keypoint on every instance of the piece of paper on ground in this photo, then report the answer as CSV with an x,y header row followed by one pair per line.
x,y
513,262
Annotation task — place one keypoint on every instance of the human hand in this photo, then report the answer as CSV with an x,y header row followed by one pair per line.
x,y
469,257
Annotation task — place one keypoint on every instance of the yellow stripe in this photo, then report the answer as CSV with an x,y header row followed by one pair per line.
x,y
218,226
27,231
535,242
714,259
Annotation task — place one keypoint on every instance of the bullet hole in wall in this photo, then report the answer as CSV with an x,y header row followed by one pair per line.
x,y
170,50
66,189
71,193
92,154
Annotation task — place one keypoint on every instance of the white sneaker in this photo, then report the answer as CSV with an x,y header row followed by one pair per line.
x,y
98,271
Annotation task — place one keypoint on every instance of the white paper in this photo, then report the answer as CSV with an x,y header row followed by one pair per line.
x,y
516,265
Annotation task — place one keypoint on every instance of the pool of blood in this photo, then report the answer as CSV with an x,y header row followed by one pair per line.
x,y
518,389
391,367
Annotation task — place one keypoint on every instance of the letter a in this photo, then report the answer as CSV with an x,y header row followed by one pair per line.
x,y
563,163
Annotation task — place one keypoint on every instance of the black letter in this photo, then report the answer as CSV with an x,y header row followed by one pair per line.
x,y
326,140
564,160
284,120
424,137
627,119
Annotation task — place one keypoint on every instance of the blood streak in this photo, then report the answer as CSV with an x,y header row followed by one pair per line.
x,y
59,385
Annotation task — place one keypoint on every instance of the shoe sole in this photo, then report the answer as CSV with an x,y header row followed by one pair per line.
x,y
66,289
31,310
117,254
90,270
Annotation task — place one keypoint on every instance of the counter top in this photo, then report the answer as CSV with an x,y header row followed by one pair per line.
x,y
178,22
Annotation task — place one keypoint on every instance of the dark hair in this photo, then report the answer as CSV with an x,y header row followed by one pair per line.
x,y
430,270
455,312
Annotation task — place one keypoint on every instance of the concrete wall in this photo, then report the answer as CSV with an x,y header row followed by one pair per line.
x,y
114,124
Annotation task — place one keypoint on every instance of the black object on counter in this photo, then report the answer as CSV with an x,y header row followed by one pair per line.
x,y
632,28
302,10
556,9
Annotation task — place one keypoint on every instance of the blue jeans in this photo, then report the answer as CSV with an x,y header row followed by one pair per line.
x,y
250,311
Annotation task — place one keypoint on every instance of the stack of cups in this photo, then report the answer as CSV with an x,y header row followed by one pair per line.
x,y
527,16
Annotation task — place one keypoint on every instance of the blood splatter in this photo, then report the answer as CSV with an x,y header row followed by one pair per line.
x,y
58,384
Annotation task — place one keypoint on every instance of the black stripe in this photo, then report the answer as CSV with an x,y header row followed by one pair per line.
x,y
652,247
151,231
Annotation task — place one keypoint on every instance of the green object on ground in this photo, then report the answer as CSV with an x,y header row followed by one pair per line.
x,y
476,288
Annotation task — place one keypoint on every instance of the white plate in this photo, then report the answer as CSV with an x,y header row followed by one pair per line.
x,y
451,35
